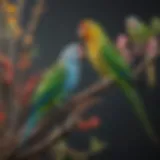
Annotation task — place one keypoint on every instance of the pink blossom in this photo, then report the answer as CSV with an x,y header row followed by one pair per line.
x,y
121,44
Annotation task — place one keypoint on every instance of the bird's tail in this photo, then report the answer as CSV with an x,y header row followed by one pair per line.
x,y
29,127
138,108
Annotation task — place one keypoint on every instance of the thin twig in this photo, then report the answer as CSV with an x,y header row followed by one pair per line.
x,y
20,9
26,41
13,103
96,87
31,28
142,65
28,35
76,100
33,23
13,55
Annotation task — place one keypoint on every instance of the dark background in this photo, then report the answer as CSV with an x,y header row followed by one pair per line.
x,y
120,128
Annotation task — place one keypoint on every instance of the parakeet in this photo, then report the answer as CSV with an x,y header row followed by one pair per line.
x,y
107,61
155,25
140,33
56,86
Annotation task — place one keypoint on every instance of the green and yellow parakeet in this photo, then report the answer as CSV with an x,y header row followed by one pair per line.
x,y
107,61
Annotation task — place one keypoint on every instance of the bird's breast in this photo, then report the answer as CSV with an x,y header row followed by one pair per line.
x,y
73,76
94,56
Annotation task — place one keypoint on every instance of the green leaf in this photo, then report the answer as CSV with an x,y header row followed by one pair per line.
x,y
96,145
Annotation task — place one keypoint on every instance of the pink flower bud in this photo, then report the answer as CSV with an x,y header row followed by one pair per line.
x,y
152,47
121,41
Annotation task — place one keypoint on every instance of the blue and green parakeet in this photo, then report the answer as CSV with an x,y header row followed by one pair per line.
x,y
56,86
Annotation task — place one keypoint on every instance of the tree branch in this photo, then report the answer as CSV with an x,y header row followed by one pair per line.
x,y
60,130
82,96
16,107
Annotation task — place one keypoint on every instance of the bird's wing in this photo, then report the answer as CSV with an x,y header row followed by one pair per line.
x,y
52,85
115,63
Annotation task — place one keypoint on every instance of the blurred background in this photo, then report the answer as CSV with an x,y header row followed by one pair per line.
x,y
120,130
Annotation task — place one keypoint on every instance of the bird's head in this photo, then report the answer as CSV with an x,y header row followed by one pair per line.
x,y
132,23
89,30
72,53
155,24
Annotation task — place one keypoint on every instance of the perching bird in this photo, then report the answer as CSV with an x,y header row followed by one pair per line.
x,y
140,33
108,62
155,25
137,30
57,84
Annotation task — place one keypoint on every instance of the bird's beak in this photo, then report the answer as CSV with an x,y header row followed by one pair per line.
x,y
81,52
81,31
